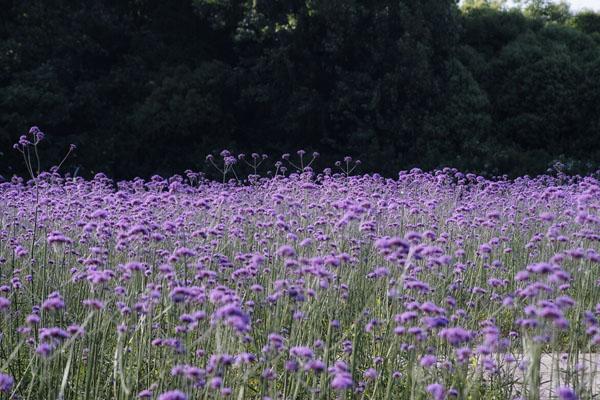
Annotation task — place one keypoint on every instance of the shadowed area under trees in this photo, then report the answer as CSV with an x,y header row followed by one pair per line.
x,y
149,86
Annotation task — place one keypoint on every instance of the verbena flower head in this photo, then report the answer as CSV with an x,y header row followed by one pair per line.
x,y
566,393
6,383
4,304
173,395
428,361
436,391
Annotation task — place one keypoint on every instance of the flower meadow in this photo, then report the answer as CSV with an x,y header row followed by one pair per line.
x,y
304,285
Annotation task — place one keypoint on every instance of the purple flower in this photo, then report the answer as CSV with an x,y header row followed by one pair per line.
x,y
342,379
565,393
392,244
93,303
550,312
269,374
54,302
370,374
44,349
245,358
216,382
301,351
233,316
58,238
428,361
455,336
463,354
317,366
435,322
546,216
565,301
286,251
522,276
173,395
406,316
4,303
76,330
436,391
291,365
430,308
540,268
53,333
6,382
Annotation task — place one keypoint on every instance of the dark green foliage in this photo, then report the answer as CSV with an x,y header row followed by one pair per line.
x,y
146,86
588,22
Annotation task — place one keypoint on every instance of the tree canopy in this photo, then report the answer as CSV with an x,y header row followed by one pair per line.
x,y
147,86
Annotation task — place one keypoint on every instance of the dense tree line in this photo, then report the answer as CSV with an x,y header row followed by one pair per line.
x,y
148,86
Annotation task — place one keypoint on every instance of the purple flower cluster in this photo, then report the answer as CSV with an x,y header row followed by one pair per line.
x,y
305,285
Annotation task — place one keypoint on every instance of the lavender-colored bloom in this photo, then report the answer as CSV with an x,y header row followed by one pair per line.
x,y
549,312
301,351
565,393
216,382
463,354
291,366
173,395
565,301
430,308
435,322
317,366
76,330
522,276
54,302
6,383
370,374
44,349
269,374
428,361
245,358
286,251
455,336
93,303
540,268
233,315
4,303
226,391
53,333
341,381
436,391
406,316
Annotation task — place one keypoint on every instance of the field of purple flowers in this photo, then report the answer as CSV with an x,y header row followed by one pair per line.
x,y
299,286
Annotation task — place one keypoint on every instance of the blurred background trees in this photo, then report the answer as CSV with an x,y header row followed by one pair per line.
x,y
148,86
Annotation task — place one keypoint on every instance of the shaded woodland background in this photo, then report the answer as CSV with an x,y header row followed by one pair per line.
x,y
152,86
